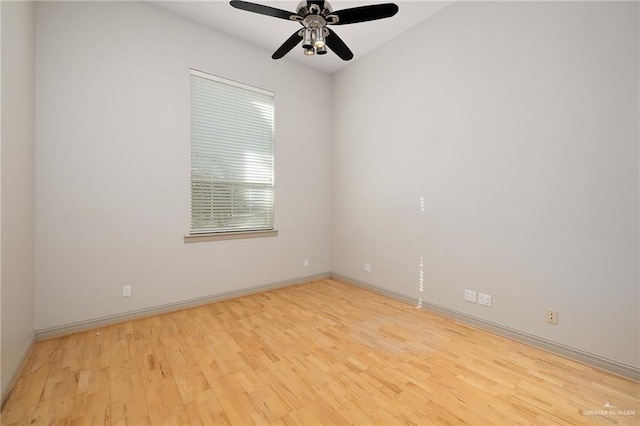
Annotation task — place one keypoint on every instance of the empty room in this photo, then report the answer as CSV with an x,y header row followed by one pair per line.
x,y
282,212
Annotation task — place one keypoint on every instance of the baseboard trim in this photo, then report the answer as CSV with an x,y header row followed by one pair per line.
x,y
592,360
67,329
16,372
595,361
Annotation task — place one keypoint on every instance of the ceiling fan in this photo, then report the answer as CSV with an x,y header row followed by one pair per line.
x,y
314,16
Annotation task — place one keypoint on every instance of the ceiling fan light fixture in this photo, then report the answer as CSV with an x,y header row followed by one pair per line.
x,y
306,40
319,41
321,50
309,51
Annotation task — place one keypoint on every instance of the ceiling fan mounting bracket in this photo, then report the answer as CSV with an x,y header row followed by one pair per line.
x,y
332,19
314,8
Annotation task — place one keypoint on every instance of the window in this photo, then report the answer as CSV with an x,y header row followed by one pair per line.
x,y
231,156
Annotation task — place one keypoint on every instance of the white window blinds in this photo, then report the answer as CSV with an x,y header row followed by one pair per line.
x,y
231,156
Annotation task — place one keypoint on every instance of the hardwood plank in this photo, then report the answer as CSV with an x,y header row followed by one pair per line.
x,y
318,353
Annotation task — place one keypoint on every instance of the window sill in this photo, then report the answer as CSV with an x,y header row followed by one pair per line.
x,y
230,236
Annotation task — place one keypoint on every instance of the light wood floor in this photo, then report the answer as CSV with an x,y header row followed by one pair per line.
x,y
318,353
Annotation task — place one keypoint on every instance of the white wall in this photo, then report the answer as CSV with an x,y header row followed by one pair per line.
x,y
517,123
17,189
112,157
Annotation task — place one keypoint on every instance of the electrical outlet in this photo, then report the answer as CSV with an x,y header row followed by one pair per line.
x,y
484,299
552,317
367,267
470,296
306,262
126,290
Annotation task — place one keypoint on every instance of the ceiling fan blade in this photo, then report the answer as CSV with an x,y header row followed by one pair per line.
x,y
263,10
365,13
336,44
287,45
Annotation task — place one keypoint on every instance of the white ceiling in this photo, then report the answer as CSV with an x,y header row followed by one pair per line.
x,y
269,33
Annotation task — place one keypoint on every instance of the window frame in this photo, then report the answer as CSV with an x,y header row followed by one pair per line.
x,y
195,235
